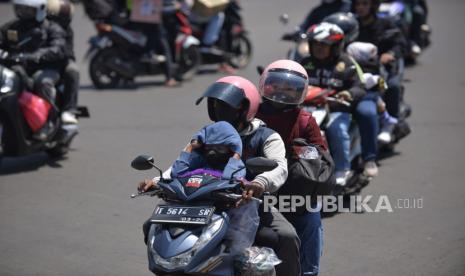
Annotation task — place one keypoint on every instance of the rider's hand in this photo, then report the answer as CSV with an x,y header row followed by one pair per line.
x,y
193,145
24,58
387,58
3,54
289,36
344,95
146,185
251,189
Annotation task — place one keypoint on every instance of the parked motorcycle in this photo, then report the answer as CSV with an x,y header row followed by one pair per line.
x,y
233,45
117,56
15,133
186,235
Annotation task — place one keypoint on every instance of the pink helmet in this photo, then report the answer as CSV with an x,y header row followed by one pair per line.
x,y
235,91
284,81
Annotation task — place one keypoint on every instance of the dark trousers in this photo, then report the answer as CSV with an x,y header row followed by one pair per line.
x,y
156,41
276,232
71,82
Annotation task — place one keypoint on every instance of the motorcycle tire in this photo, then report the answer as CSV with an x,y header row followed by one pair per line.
x,y
101,75
241,50
189,62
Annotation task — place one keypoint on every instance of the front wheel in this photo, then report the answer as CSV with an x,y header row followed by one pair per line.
x,y
189,62
241,50
102,76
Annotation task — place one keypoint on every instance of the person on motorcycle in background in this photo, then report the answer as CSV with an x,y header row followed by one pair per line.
x,y
118,12
213,25
366,55
61,12
317,14
390,42
236,100
283,87
38,46
419,24
366,112
329,67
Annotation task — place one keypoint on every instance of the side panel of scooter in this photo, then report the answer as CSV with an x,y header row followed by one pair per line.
x,y
14,124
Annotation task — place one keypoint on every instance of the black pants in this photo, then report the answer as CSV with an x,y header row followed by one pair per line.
x,y
276,232
156,41
71,82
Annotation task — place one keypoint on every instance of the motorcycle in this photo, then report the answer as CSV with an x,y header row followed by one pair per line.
x,y
233,45
117,55
15,133
186,235
300,48
317,103
401,14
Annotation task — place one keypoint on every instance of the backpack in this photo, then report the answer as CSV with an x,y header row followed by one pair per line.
x,y
310,167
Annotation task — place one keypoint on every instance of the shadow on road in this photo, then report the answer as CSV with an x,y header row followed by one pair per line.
x,y
12,165
124,87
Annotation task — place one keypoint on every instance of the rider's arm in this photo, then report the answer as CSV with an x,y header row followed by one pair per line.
x,y
313,133
274,149
187,161
56,45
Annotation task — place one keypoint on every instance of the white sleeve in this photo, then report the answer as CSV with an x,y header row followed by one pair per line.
x,y
274,149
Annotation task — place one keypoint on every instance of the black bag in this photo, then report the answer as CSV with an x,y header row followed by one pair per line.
x,y
312,176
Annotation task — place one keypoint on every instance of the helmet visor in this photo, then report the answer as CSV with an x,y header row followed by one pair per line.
x,y
226,92
25,12
284,86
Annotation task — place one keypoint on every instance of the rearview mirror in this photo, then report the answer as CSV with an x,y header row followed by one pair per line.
x,y
284,18
142,162
260,165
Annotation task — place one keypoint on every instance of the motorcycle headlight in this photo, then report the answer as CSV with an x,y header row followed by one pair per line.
x,y
183,259
7,81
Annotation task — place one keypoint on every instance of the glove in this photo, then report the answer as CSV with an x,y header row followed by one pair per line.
x,y
24,58
4,54
344,95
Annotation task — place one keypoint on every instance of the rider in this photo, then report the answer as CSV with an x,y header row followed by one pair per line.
x,y
61,12
39,47
366,113
329,67
235,100
216,150
390,42
317,14
283,86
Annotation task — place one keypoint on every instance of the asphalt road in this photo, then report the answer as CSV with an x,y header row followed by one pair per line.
x,y
74,216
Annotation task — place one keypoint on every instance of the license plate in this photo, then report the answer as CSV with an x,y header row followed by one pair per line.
x,y
182,214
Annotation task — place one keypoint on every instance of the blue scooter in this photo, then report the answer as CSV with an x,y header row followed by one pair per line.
x,y
186,235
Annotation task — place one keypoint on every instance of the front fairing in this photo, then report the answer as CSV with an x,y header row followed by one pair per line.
x,y
176,189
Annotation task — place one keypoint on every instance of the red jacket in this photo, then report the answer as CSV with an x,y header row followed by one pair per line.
x,y
288,124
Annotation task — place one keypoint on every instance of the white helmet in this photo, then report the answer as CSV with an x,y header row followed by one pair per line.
x,y
31,9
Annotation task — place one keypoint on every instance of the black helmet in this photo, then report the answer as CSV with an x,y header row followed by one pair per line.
x,y
347,22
